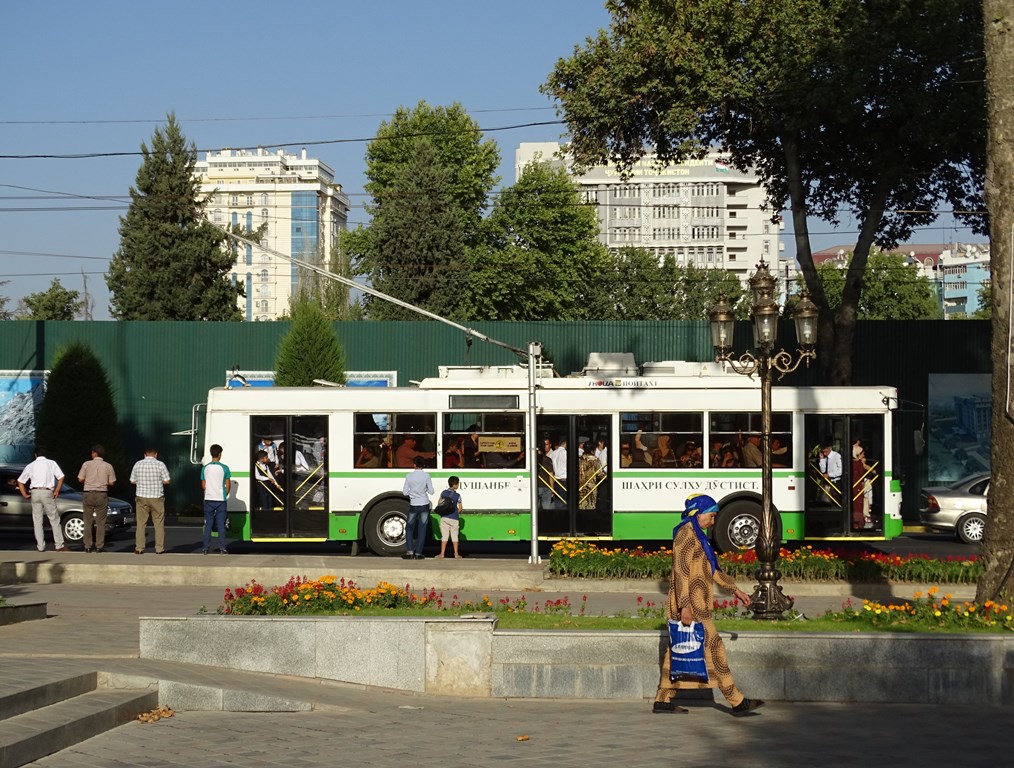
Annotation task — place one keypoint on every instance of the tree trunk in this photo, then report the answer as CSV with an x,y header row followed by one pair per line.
x,y
998,545
835,330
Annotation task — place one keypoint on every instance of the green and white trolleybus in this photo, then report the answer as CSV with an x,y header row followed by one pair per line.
x,y
618,452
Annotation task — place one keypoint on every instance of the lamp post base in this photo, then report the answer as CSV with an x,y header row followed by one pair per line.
x,y
768,602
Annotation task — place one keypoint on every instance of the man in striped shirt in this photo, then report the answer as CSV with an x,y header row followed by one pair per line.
x,y
150,477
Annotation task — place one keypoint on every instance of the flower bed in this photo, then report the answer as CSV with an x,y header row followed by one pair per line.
x,y
933,611
584,559
332,595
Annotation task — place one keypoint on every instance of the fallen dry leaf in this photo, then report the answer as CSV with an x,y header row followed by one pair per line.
x,y
156,714
523,737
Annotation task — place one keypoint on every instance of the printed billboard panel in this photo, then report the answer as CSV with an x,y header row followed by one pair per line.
x,y
21,394
959,426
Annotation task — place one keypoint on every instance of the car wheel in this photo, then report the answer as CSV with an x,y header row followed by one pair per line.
x,y
738,526
385,527
73,527
971,528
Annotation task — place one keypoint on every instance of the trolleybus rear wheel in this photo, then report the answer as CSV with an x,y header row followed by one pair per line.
x,y
738,526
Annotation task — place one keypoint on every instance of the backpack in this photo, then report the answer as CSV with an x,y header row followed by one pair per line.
x,y
445,506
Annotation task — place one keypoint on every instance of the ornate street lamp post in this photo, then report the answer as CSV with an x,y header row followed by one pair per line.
x,y
768,601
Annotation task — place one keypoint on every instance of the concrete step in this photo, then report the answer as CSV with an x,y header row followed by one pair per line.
x,y
27,737
18,697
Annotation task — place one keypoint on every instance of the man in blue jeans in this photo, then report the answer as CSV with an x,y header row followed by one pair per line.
x,y
418,487
216,480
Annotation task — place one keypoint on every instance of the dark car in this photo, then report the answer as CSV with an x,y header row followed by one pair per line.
x,y
959,507
16,511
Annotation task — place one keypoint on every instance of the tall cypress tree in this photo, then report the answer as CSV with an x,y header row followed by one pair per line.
x,y
310,350
171,264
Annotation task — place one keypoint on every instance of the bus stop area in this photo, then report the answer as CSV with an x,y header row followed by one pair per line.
x,y
93,624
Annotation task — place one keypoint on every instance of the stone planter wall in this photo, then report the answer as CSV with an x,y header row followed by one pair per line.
x,y
467,656
12,614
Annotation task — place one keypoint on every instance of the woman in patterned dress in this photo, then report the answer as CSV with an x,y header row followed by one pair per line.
x,y
695,571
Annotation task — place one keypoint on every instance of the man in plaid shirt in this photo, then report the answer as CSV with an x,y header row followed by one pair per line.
x,y
150,477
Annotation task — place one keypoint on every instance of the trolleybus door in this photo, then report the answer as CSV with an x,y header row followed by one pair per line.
x,y
852,504
575,490
295,505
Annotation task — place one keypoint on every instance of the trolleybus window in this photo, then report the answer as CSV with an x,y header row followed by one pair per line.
x,y
735,440
664,440
491,440
394,439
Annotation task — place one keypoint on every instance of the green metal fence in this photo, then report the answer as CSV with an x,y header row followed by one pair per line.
x,y
159,370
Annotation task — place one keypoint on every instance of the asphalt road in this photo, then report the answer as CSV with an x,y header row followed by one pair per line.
x,y
187,538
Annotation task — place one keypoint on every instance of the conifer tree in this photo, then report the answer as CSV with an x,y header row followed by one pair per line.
x,y
65,426
310,350
172,263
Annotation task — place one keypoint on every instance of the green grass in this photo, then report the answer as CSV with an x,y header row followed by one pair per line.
x,y
542,621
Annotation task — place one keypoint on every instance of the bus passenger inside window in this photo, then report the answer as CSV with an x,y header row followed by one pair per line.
x,y
407,451
690,456
369,455
781,456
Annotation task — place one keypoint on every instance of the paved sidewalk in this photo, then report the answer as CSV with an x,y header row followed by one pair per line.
x,y
95,626
393,731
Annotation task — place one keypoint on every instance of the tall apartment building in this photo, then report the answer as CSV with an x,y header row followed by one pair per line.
x,y
702,212
299,201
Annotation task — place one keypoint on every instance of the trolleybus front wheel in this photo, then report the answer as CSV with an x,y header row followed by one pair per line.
x,y
385,527
738,526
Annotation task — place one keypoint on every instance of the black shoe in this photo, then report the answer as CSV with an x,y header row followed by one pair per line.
x,y
100,549
420,557
223,551
204,551
667,706
408,556
88,549
746,706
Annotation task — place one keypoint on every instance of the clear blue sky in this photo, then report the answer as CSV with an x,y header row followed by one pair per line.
x,y
98,77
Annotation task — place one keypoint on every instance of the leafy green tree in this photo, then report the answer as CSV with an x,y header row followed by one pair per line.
x,y
172,263
542,260
310,350
895,290
470,161
649,289
417,242
644,287
56,303
78,411
985,296
826,99
4,313
430,164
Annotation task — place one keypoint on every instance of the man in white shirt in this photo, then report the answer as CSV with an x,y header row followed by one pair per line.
x,y
45,478
830,462
559,457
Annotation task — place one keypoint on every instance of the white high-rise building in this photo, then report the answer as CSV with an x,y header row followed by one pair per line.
x,y
702,212
298,200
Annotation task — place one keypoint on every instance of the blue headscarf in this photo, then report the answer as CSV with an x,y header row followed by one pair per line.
x,y
697,505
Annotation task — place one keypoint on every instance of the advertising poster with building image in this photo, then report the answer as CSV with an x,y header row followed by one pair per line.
x,y
21,394
960,426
